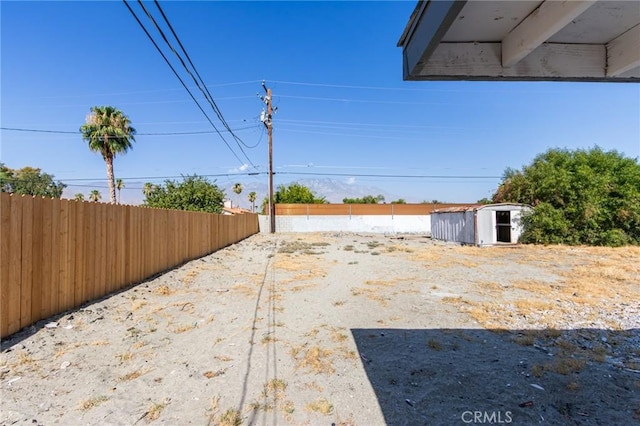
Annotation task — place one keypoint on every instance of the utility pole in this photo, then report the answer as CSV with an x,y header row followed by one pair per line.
x,y
267,121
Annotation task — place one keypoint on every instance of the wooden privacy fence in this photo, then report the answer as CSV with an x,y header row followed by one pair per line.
x,y
359,209
58,254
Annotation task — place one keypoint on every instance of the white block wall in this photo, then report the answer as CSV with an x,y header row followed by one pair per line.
x,y
397,224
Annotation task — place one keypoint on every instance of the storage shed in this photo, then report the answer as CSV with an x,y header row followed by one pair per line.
x,y
481,225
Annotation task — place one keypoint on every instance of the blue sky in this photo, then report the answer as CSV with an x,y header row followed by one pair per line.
x,y
336,76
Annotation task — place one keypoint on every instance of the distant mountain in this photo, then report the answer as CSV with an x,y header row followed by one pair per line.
x,y
335,190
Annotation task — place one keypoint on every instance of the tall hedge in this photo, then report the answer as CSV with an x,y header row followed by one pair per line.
x,y
579,197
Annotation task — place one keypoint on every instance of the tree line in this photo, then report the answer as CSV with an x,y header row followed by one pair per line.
x,y
578,196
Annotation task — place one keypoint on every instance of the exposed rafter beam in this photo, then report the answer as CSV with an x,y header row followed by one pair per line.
x,y
623,52
539,26
550,62
431,23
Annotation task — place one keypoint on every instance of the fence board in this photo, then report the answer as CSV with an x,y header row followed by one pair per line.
x,y
27,260
5,257
15,265
47,257
101,249
67,293
78,277
63,272
110,256
89,287
37,250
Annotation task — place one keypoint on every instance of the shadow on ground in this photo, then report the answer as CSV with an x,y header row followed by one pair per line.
x,y
465,376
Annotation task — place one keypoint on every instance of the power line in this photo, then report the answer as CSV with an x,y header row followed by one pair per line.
x,y
412,126
197,81
65,132
441,178
136,92
370,101
180,79
392,176
210,98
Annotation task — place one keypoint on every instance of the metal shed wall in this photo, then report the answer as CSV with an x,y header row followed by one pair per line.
x,y
453,226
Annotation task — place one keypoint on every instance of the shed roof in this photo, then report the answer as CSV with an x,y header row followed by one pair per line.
x,y
579,40
475,207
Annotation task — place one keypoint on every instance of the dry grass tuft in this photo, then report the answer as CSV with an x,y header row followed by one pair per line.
x,y
190,276
525,339
223,358
315,360
573,386
245,289
274,388
566,366
316,387
132,376
231,417
93,402
374,294
337,336
154,412
537,370
184,328
137,304
212,374
164,290
434,344
25,358
127,356
321,406
268,338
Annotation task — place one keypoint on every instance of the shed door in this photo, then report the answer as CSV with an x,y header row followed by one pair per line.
x,y
503,226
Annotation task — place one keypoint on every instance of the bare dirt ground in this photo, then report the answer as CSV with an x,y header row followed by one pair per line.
x,y
345,329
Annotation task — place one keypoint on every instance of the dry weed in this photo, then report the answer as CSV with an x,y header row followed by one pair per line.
x,y
154,412
183,328
93,402
314,386
573,386
434,344
321,406
127,356
212,374
566,366
164,290
231,417
315,360
374,294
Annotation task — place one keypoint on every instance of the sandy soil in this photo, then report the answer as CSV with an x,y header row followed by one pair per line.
x,y
345,329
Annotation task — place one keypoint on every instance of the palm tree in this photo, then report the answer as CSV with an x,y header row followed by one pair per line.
x,y
79,196
237,188
119,187
252,200
109,132
147,189
95,196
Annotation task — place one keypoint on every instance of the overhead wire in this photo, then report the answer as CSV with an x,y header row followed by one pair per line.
x,y
334,174
210,97
66,132
181,81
